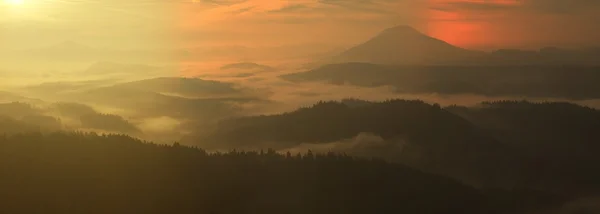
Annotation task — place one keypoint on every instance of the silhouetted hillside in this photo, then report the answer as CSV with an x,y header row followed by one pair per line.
x,y
537,125
324,118
559,141
549,56
18,109
22,117
73,110
416,133
543,146
107,122
30,118
571,82
10,125
87,173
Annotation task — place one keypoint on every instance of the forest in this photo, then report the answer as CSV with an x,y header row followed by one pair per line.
x,y
68,172
549,146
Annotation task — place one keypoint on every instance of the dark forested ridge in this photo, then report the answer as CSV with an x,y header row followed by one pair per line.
x,y
549,146
88,173
413,132
330,121
558,141
545,126
500,157
567,81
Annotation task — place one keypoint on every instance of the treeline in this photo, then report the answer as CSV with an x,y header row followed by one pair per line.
x,y
90,173
548,146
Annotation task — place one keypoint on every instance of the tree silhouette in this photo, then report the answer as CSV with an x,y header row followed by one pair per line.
x,y
90,173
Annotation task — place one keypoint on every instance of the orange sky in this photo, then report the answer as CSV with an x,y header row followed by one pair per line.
x,y
511,23
463,27
478,24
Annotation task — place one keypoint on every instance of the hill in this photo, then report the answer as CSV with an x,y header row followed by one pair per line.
x,y
87,173
19,117
187,98
457,148
546,146
543,81
557,140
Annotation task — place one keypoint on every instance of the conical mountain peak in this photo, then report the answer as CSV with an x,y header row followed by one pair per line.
x,y
404,45
402,30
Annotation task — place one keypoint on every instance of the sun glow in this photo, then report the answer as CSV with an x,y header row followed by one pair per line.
x,y
14,2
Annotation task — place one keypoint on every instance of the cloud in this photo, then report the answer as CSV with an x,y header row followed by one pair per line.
x,y
473,6
528,6
291,8
242,10
220,2
165,23
563,6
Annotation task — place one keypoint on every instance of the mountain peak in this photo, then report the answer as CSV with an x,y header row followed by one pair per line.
x,y
402,31
404,45
402,28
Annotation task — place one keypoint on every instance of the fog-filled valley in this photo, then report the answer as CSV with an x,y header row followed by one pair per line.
x,y
401,122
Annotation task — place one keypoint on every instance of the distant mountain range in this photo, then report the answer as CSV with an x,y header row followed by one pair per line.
x,y
403,45
533,81
247,66
415,63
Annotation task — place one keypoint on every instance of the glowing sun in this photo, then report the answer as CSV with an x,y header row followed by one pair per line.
x,y
14,2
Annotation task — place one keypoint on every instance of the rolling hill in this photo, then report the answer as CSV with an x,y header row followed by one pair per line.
x,y
456,148
547,146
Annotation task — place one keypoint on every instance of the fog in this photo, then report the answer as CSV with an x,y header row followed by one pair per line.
x,y
132,92
433,106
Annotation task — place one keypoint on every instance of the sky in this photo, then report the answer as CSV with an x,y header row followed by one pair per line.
x,y
475,24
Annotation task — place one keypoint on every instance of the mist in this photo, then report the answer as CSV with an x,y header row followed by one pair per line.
x,y
418,106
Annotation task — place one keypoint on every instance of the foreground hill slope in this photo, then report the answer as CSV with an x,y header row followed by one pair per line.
x,y
77,173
